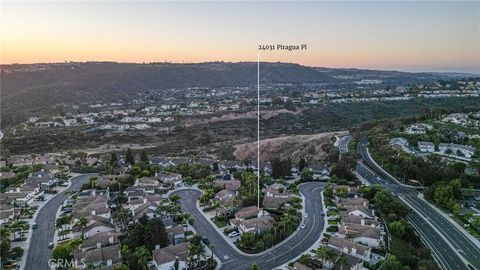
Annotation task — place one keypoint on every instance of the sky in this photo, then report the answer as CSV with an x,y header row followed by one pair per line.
x,y
411,36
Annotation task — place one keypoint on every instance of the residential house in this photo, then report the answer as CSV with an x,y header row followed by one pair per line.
x,y
427,147
165,258
103,257
225,197
320,171
256,225
147,181
99,240
367,235
350,248
360,211
456,150
176,234
171,179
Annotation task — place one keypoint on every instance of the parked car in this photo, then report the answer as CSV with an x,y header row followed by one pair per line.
x,y
205,241
322,214
51,245
302,226
305,215
233,234
34,225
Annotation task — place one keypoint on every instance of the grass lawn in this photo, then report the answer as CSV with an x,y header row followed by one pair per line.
x,y
220,223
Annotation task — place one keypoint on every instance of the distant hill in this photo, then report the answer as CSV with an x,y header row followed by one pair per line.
x,y
28,88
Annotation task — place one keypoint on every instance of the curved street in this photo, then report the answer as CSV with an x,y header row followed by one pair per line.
x,y
38,251
297,245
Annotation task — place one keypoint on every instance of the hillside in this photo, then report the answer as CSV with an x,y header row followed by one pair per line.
x,y
293,147
29,88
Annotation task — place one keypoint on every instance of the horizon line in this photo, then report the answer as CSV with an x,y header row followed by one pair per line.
x,y
406,70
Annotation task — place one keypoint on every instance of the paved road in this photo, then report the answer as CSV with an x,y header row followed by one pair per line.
x,y
343,144
457,244
295,246
38,252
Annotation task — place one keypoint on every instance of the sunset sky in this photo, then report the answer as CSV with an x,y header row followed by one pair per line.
x,y
412,36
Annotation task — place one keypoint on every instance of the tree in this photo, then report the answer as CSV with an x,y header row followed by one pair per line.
x,y
254,267
129,158
342,260
306,174
302,163
113,160
144,157
397,228
123,215
247,240
391,263
137,259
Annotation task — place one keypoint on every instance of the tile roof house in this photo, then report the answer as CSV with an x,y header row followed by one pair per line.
x,y
176,234
100,257
147,181
95,225
231,185
225,197
171,179
351,248
351,202
247,212
256,225
99,240
360,211
164,258
367,235
346,218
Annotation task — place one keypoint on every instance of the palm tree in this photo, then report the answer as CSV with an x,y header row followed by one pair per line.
x,y
175,199
341,260
322,253
123,216
143,255
82,222
216,205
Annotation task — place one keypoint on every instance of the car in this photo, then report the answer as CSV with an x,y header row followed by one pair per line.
x,y
305,215
233,234
205,241
34,226
322,214
51,245
302,226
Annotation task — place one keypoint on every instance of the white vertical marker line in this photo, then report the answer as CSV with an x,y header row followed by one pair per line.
x,y
258,130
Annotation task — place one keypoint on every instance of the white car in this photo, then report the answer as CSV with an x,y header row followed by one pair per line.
x,y
302,226
305,215
233,234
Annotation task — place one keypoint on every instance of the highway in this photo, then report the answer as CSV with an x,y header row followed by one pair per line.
x,y
450,245
343,144
38,251
231,259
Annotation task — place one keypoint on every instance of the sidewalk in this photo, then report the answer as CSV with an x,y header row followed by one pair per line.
x,y
317,243
41,204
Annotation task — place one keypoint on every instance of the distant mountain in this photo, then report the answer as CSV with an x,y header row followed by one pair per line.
x,y
31,87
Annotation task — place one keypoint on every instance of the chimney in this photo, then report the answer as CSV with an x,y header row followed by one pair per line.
x,y
94,193
93,213
110,239
354,251
99,245
157,247
362,222
144,200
